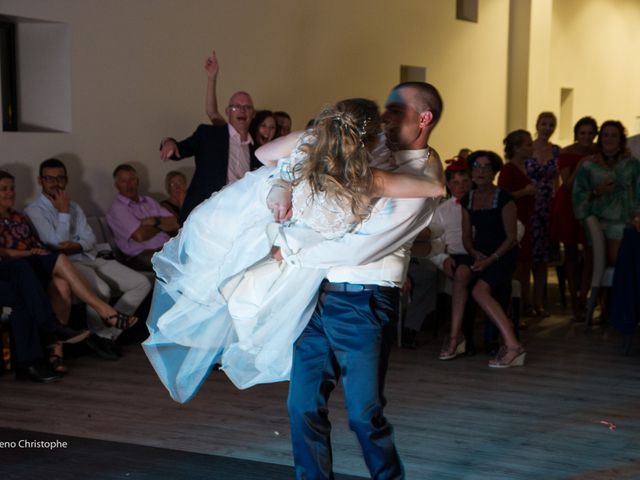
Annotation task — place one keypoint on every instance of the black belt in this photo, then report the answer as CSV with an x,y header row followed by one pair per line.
x,y
353,287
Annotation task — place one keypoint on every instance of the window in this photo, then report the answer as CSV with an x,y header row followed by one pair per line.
x,y
36,75
8,76
467,10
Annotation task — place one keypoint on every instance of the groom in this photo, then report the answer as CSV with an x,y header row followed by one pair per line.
x,y
350,333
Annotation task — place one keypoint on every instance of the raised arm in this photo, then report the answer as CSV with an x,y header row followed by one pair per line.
x,y
404,185
211,100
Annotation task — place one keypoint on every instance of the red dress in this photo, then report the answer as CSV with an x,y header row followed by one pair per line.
x,y
513,179
563,226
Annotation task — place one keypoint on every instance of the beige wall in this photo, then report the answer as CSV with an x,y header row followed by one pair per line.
x,y
137,71
595,47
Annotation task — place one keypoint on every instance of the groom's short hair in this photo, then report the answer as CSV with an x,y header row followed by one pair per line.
x,y
427,98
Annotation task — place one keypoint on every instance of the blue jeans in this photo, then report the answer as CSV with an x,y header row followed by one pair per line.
x,y
349,336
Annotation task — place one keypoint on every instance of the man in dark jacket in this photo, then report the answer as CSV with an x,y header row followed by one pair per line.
x,y
223,152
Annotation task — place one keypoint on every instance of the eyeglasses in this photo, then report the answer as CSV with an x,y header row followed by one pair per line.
x,y
482,166
245,108
50,179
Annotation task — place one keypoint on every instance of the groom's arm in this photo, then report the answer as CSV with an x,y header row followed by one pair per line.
x,y
393,224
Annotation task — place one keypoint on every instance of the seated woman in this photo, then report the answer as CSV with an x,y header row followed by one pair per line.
x,y
221,297
607,185
175,183
56,272
489,234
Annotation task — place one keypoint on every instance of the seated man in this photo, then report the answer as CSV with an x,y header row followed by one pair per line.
x,y
422,279
140,225
62,226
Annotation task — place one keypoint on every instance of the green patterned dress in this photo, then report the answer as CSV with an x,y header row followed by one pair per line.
x,y
614,209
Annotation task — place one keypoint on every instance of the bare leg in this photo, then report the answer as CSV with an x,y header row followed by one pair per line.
x,y
523,275
60,297
65,269
539,284
571,270
459,295
585,280
482,295
612,251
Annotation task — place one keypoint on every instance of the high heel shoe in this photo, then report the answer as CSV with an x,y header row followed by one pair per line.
x,y
120,320
56,361
448,353
509,357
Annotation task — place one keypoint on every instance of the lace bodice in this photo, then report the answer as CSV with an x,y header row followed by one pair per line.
x,y
331,217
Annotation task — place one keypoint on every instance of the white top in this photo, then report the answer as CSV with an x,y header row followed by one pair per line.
x,y
446,228
378,251
55,227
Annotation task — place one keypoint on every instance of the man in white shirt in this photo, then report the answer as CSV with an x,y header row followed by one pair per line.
x,y
63,227
351,331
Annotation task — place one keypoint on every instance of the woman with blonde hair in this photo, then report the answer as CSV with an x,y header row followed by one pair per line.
x,y
221,296
542,169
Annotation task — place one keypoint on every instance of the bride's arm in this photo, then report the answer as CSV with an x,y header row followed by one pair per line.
x,y
281,147
404,185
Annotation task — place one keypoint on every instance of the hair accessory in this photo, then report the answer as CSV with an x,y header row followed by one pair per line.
x,y
457,164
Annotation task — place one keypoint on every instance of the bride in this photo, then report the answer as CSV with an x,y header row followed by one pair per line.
x,y
221,296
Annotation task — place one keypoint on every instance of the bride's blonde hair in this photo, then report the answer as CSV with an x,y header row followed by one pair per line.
x,y
337,162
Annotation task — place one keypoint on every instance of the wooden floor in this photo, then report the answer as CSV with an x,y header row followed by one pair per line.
x,y
453,420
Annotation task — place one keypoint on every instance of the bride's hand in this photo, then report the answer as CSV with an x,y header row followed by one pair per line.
x,y
276,254
279,202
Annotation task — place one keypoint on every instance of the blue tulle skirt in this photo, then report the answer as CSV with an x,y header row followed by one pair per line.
x,y
220,297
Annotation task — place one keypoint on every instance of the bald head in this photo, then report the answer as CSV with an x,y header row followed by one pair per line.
x,y
240,112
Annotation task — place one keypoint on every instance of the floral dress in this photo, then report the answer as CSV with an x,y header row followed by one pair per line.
x,y
543,177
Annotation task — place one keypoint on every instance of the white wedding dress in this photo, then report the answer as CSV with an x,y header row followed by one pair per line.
x,y
221,298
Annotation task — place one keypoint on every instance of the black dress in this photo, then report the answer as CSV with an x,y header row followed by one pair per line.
x,y
488,235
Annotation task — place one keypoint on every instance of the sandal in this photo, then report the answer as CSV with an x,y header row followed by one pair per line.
x,y
509,357
56,362
122,321
450,351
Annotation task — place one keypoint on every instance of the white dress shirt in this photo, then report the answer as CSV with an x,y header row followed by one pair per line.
x,y
446,229
55,227
239,156
377,252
